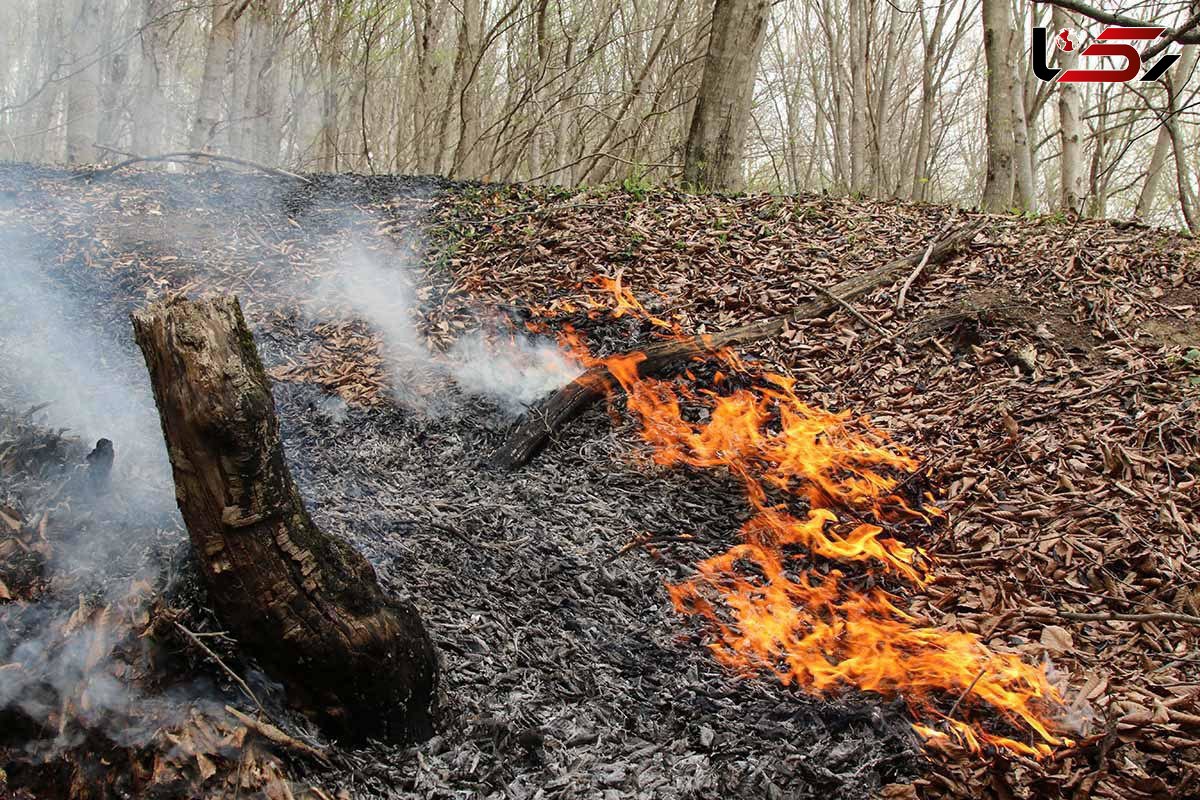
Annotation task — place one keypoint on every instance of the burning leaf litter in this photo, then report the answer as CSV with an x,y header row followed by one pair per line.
x,y
1048,394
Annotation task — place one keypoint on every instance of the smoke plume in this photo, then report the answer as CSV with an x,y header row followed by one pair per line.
x,y
377,284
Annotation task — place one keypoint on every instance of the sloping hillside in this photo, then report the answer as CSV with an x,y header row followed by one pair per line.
x,y
1047,379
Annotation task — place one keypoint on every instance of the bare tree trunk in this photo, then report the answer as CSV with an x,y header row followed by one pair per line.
x,y
306,604
1164,143
858,95
1183,181
115,69
1097,175
36,115
715,142
1070,105
265,128
997,36
150,108
427,23
599,165
83,88
217,62
1025,178
467,155
562,133
883,134
930,40
1158,159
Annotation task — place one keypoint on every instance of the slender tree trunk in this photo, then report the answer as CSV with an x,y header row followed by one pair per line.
x,y
468,153
427,25
542,48
599,166
1158,159
883,134
115,69
997,35
920,182
1097,175
35,146
83,88
1070,105
859,48
217,62
1026,182
1183,179
265,129
306,604
717,137
150,109
1164,143
562,133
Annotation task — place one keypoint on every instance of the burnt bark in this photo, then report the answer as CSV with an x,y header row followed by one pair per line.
x,y
539,423
305,604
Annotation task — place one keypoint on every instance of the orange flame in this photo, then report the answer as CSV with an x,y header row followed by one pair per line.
x,y
773,610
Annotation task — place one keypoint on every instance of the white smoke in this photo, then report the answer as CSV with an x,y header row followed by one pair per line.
x,y
60,346
377,285
56,348
513,370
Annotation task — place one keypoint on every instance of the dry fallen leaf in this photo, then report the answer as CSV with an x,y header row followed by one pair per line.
x,y
1057,639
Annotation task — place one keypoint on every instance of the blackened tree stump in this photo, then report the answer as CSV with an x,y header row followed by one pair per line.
x,y
305,604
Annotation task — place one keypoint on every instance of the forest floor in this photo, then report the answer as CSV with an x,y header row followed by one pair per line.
x,y
1048,378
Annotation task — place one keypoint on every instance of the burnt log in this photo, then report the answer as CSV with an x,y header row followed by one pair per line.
x,y
305,604
540,422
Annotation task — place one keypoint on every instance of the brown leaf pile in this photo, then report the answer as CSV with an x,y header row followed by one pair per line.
x,y
1048,378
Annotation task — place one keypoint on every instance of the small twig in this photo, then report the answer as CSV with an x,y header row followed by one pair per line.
x,y
967,691
196,640
854,312
273,734
912,276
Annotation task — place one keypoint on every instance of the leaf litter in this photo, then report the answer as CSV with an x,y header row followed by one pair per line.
x,y
1042,377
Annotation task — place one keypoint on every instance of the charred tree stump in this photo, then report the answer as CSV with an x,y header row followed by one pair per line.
x,y
305,604
530,435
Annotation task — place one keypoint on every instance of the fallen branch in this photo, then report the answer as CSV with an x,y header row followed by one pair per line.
x,y
912,276
193,154
541,421
1115,616
851,310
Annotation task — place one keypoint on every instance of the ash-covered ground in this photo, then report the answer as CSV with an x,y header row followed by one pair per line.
x,y
567,674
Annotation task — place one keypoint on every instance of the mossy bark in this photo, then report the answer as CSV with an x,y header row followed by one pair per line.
x,y
305,604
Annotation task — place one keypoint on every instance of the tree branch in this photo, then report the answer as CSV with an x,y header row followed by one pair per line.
x,y
1184,34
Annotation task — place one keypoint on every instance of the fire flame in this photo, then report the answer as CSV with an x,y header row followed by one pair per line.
x,y
771,607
